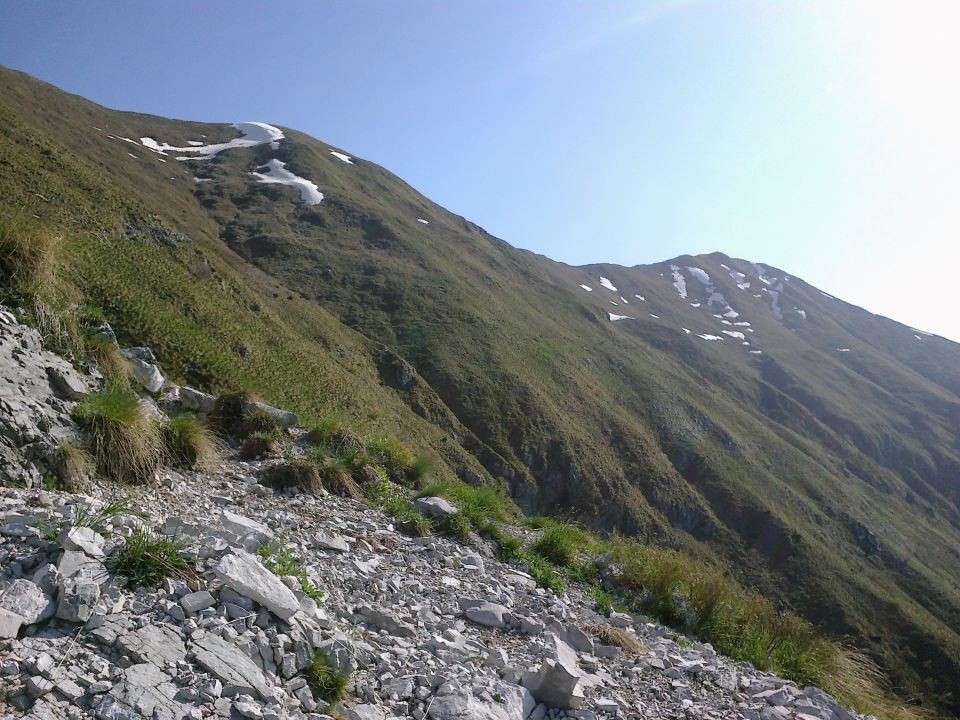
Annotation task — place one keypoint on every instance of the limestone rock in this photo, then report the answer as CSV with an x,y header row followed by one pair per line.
x,y
243,573
434,507
27,600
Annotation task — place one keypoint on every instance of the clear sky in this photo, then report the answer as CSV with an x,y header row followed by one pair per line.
x,y
819,136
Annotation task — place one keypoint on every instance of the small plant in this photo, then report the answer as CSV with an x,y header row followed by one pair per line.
x,y
418,470
509,547
147,559
456,525
325,681
296,473
280,561
336,474
96,520
124,439
543,574
374,483
74,465
188,442
258,445
105,353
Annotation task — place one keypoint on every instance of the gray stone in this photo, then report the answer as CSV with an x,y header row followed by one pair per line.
x,y
84,539
330,541
38,686
241,526
366,712
243,573
285,417
9,624
195,400
146,374
144,690
231,666
434,507
67,382
488,614
516,704
27,600
387,622
158,644
78,599
195,602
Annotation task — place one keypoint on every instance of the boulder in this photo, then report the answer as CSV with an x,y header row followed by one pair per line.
x,y
146,374
66,382
243,573
84,539
434,507
330,541
27,600
231,666
10,624
514,703
144,691
284,417
488,614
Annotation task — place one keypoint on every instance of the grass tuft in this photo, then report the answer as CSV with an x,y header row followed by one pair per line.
x,y
74,465
559,543
619,637
325,681
29,255
412,522
124,439
258,445
297,473
147,559
280,561
188,442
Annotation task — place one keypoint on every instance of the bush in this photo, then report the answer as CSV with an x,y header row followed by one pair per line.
x,y
148,559
325,681
258,445
188,442
74,465
559,543
124,439
299,474
280,561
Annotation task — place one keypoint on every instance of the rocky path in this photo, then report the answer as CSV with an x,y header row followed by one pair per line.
x,y
422,627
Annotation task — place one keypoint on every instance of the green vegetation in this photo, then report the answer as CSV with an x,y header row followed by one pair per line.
x,y
280,560
146,559
96,520
559,543
602,600
325,681
610,635
456,525
297,473
413,522
124,439
188,442
258,445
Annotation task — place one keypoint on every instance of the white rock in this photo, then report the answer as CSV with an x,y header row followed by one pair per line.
x,y
27,600
243,573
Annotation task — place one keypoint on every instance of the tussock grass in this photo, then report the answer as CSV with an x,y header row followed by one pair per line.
x,y
107,356
412,522
188,442
280,561
559,543
325,681
392,455
124,439
456,525
233,416
610,635
147,559
483,506
297,473
258,445
29,255
74,465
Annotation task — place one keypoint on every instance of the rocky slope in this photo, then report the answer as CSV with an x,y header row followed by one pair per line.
x,y
422,627
819,462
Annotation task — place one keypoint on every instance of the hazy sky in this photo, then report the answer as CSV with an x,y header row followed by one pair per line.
x,y
819,137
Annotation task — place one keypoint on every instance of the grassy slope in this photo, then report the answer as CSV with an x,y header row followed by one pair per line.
x,y
768,461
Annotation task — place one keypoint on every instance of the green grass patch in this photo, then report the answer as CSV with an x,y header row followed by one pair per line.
x,y
412,522
146,559
325,681
559,543
280,560
124,439
482,505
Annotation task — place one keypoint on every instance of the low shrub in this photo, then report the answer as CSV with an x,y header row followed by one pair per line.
x,y
147,559
188,441
124,439
325,681
559,543
280,561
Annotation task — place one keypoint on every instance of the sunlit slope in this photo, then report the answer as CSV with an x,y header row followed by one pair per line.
x,y
820,460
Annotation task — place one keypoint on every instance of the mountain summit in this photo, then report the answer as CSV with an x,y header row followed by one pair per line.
x,y
712,404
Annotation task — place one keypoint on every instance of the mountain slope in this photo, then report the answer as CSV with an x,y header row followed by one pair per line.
x,y
820,461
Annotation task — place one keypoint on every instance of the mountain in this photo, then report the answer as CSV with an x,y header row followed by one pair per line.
x,y
706,403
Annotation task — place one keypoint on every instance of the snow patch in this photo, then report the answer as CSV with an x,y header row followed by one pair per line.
x,y
685,330
801,313
655,317
640,297
843,349
278,174
678,282
707,336
421,220
734,334
738,277
624,300
133,156
762,274
699,274
341,156
251,135
695,305
607,284
755,352
614,318
587,288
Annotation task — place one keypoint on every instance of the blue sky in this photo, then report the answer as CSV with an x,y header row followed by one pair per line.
x,y
817,136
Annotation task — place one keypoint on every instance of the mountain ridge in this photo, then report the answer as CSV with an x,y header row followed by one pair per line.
x,y
783,463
